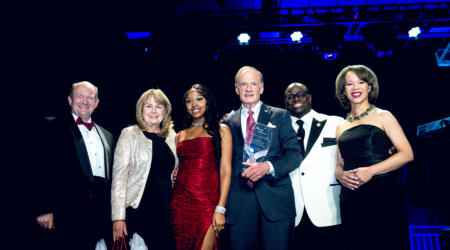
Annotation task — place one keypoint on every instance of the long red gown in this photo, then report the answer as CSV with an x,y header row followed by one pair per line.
x,y
195,193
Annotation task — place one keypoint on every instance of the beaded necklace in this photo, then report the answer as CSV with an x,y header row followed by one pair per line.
x,y
351,119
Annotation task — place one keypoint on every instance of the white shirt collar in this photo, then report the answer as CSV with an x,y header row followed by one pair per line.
x,y
255,109
307,119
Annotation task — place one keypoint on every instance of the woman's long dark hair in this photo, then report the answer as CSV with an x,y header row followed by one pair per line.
x,y
211,119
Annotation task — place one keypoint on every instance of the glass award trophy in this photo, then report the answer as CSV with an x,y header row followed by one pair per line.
x,y
257,144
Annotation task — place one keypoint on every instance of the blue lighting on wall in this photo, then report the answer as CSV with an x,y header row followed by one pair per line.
x,y
137,35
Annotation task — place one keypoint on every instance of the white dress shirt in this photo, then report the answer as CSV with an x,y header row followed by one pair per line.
x,y
94,147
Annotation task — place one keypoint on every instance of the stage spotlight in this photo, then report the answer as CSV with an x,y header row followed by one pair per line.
x,y
329,55
243,38
296,36
415,32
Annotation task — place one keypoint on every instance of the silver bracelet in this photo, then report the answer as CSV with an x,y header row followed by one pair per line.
x,y
220,209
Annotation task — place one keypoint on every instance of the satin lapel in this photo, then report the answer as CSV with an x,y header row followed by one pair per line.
x,y
107,149
81,149
316,128
264,114
236,123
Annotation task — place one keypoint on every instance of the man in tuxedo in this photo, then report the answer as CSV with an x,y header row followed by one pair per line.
x,y
261,199
315,186
73,208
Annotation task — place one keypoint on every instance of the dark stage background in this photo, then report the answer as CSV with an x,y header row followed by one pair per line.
x,y
47,48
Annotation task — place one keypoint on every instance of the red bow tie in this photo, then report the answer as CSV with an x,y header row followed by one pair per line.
x,y
89,125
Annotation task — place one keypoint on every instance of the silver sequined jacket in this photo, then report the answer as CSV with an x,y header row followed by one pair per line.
x,y
132,162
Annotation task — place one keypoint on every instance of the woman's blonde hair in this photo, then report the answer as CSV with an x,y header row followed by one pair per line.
x,y
166,125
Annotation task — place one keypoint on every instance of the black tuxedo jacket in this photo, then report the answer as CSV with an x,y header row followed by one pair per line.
x,y
275,194
66,186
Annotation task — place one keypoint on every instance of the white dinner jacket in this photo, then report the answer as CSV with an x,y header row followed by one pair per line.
x,y
314,182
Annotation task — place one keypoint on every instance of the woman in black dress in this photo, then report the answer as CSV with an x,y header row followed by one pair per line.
x,y
373,207
144,160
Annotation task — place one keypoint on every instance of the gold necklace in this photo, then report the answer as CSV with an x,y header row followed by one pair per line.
x,y
351,119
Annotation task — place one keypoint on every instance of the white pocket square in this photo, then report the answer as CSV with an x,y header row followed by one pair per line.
x,y
270,125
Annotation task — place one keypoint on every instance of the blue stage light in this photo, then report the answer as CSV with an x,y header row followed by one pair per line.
x,y
296,36
243,38
415,32
330,55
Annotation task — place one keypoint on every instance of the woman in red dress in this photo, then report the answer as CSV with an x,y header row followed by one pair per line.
x,y
200,192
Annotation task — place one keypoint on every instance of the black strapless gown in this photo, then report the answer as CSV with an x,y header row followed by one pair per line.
x,y
373,216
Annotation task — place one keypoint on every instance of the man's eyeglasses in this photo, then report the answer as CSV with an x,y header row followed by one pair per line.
x,y
299,95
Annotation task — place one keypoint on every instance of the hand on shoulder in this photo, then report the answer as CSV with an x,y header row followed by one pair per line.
x,y
224,129
225,133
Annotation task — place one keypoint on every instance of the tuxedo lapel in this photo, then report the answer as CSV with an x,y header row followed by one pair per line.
x,y
107,150
81,149
316,128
